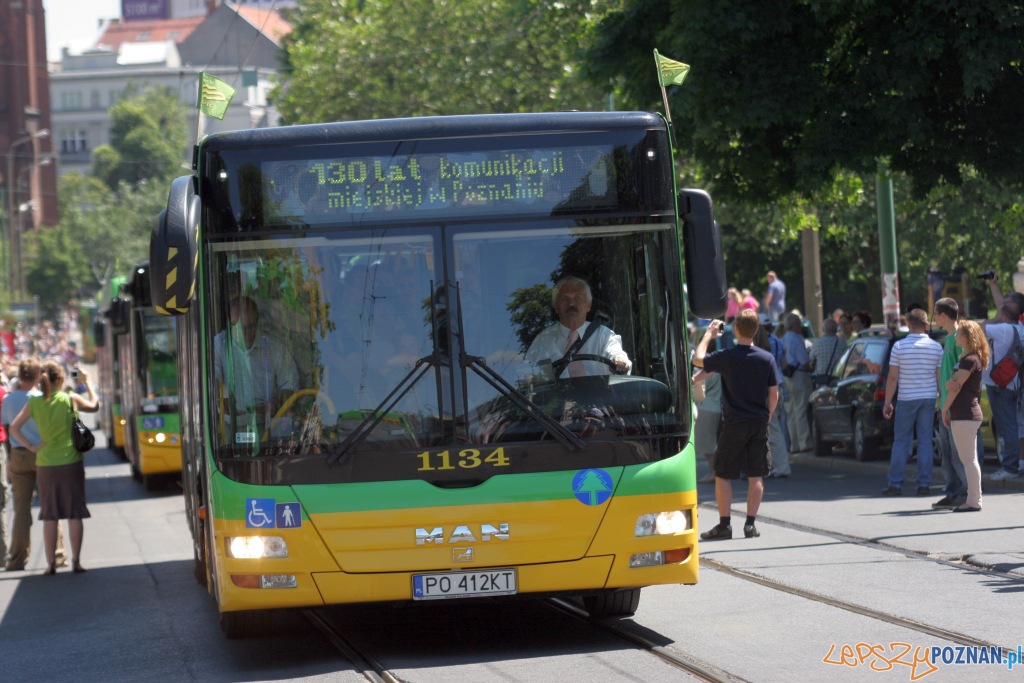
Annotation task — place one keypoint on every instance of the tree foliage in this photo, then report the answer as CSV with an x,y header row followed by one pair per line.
x,y
784,94
790,106
148,138
106,217
365,59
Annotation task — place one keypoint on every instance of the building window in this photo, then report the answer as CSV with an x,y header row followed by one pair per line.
x,y
70,101
74,141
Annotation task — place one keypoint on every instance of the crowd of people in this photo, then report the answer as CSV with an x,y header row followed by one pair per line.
x,y
923,376
37,454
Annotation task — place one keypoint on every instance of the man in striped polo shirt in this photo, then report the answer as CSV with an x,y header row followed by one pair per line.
x,y
914,367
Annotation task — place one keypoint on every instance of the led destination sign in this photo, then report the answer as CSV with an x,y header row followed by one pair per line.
x,y
516,180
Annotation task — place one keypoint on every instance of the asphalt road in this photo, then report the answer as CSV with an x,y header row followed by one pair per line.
x,y
837,566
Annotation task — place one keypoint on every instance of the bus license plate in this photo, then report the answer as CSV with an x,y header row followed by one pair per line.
x,y
463,584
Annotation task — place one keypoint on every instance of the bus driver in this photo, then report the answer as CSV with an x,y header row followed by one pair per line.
x,y
257,368
571,298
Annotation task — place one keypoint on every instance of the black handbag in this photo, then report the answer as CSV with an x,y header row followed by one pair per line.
x,y
81,437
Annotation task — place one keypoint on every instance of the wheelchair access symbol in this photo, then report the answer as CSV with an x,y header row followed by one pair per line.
x,y
592,487
258,513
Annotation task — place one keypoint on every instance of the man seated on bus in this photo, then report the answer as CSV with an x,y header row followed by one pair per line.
x,y
571,298
255,368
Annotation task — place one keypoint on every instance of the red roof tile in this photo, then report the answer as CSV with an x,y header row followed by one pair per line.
x,y
270,23
156,30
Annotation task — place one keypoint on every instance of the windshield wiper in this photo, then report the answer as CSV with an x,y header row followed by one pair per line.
x,y
550,424
374,418
501,385
370,422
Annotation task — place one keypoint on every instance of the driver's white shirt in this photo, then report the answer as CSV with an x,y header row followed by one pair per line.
x,y
551,343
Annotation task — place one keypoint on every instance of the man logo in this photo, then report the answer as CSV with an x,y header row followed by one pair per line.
x,y
462,555
462,534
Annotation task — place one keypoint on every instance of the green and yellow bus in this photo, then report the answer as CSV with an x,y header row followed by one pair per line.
x,y
110,330
363,417
139,368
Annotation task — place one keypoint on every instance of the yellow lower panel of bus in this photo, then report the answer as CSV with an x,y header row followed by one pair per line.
x,y
371,539
156,457
501,534
562,576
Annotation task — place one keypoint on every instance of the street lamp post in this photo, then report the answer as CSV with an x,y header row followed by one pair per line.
x,y
12,226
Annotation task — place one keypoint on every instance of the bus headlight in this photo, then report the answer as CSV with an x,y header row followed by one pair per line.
x,y
661,523
255,547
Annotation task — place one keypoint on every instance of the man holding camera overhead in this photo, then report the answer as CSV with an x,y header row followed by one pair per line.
x,y
750,393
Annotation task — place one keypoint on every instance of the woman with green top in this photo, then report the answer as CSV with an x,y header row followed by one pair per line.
x,y
60,472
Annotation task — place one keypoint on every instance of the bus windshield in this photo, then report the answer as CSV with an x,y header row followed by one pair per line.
x,y
159,364
371,304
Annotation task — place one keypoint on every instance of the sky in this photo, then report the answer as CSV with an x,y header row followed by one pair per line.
x,y
74,23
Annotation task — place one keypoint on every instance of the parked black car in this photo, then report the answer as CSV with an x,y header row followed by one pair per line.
x,y
848,410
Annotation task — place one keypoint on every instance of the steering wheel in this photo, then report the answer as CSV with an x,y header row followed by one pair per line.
x,y
299,394
286,406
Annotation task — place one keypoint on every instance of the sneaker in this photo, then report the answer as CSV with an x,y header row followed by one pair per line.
x,y
778,475
923,490
892,491
1003,475
719,531
750,531
945,503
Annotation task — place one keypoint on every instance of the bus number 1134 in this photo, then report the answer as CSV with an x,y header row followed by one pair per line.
x,y
468,459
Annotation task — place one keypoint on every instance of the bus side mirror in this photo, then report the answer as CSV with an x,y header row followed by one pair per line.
x,y
174,249
139,286
99,332
705,264
120,315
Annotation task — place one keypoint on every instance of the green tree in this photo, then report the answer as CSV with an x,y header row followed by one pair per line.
x,y
107,216
100,233
54,276
782,95
364,59
148,138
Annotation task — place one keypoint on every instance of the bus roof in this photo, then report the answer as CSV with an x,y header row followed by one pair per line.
x,y
426,127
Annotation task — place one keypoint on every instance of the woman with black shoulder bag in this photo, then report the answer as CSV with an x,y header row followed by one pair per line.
x,y
60,470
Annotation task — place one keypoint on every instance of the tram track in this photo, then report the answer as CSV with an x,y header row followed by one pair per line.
x,y
699,670
364,663
961,563
919,627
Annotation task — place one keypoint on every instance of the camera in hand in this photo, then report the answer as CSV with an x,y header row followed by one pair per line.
x,y
987,275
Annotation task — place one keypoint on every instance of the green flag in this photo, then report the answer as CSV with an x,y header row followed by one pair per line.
x,y
670,72
214,96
